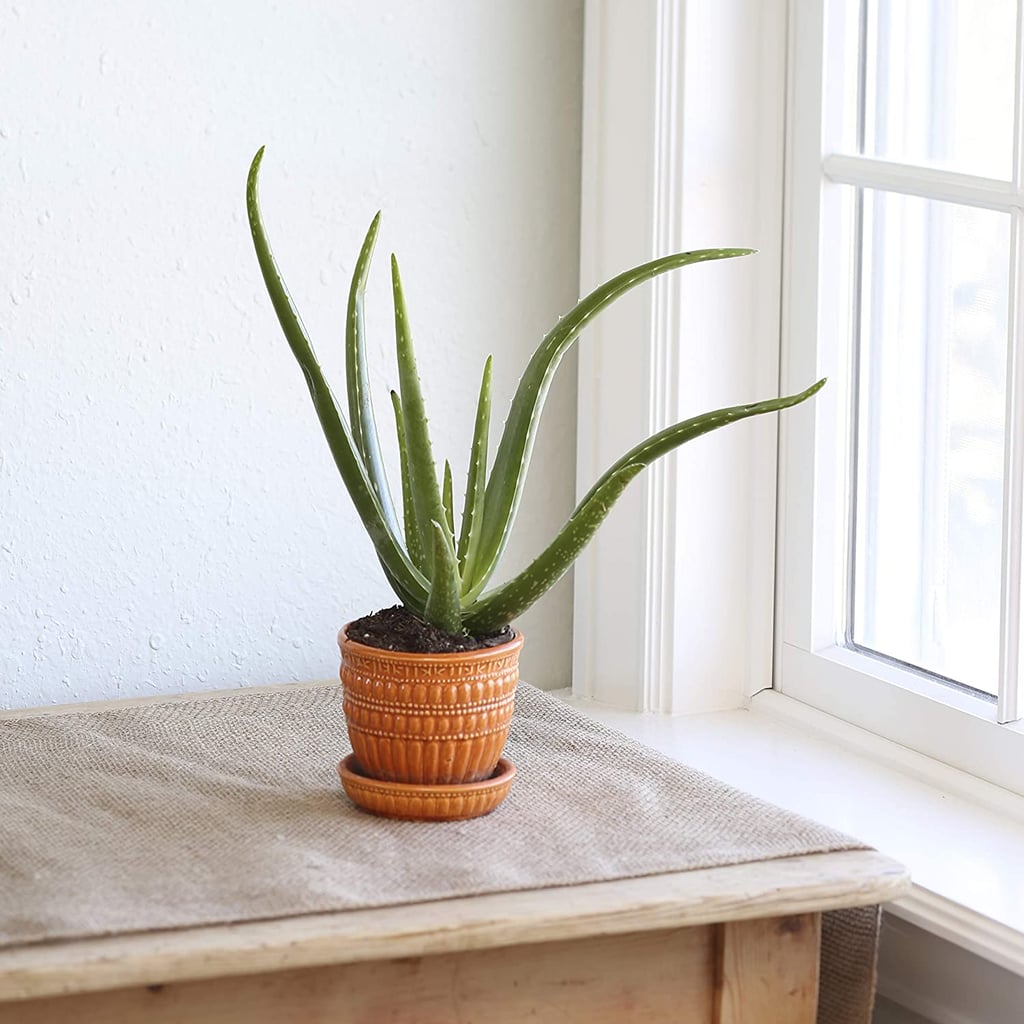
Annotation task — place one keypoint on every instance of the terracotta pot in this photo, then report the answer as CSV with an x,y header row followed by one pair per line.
x,y
428,719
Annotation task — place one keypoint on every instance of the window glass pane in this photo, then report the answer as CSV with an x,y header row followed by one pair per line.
x,y
938,77
928,505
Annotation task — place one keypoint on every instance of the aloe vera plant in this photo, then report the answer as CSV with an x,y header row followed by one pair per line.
x,y
440,573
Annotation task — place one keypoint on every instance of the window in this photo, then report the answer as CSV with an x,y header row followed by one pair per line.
x,y
892,585
901,509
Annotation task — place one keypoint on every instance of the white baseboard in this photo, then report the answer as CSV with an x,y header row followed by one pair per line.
x,y
888,1012
923,979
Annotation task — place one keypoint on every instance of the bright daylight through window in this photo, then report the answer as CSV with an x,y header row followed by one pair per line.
x,y
932,333
906,196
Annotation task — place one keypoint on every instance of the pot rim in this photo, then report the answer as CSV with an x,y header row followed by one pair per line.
x,y
480,654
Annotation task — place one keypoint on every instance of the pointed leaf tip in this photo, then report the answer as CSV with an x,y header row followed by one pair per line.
x,y
357,381
256,161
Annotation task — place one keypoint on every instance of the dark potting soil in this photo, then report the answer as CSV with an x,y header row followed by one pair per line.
x,y
397,629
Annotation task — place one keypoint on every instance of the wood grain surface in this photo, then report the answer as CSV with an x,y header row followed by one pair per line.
x,y
793,885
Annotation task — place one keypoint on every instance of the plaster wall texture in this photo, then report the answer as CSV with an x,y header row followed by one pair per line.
x,y
170,516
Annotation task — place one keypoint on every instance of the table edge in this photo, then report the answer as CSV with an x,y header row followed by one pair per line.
x,y
791,885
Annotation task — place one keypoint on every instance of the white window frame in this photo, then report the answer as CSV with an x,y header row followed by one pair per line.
x,y
685,112
682,148
813,665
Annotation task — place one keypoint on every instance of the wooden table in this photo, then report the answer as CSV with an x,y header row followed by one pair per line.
x,y
730,945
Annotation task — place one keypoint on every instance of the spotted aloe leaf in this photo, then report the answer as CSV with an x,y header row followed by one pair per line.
x,y
413,541
508,602
442,607
427,502
508,475
448,500
473,508
407,581
360,406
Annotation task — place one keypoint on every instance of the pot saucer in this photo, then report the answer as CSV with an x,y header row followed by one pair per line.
x,y
426,803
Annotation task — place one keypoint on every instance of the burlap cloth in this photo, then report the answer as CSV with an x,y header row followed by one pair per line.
x,y
229,809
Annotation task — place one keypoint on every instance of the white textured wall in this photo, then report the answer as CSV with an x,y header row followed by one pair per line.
x,y
170,518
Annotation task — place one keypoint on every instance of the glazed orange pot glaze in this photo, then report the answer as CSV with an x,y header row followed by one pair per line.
x,y
426,803
428,719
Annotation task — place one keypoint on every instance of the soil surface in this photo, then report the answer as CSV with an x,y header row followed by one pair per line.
x,y
397,629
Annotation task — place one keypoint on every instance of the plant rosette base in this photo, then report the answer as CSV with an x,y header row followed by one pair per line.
x,y
428,719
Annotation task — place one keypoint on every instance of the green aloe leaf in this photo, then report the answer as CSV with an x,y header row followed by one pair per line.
x,y
476,481
448,499
507,477
442,608
360,405
413,541
509,601
407,581
426,495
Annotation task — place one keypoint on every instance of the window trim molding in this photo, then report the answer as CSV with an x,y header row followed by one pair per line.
x,y
668,143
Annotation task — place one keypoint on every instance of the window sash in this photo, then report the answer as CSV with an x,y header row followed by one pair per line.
x,y
813,662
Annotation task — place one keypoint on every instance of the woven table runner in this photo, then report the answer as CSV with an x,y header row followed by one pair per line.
x,y
227,809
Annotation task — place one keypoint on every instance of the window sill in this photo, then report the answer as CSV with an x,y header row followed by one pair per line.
x,y
961,838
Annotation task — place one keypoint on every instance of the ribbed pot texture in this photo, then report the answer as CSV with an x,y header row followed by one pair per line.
x,y
428,719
